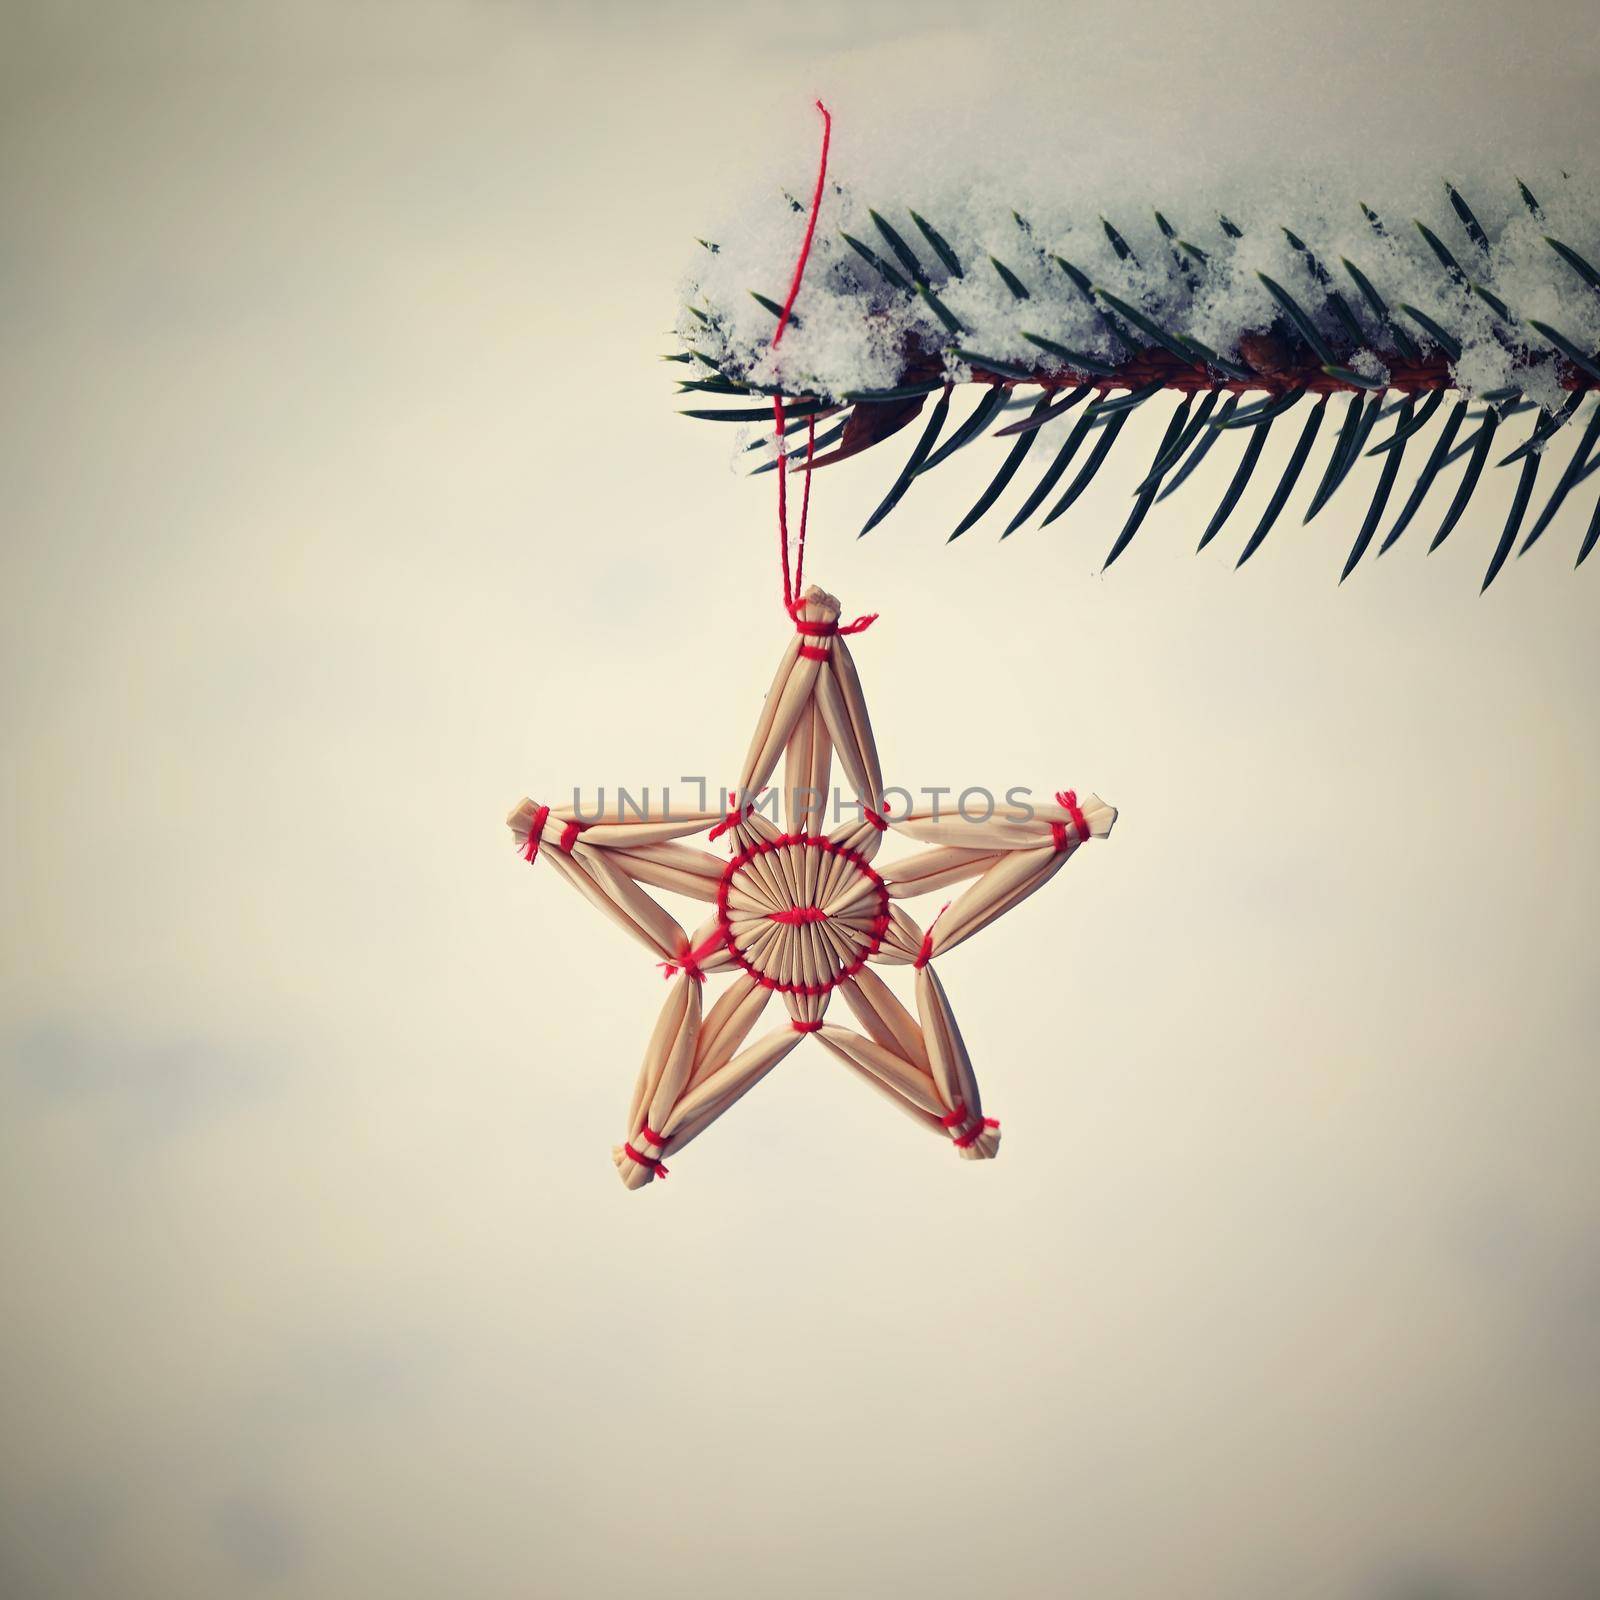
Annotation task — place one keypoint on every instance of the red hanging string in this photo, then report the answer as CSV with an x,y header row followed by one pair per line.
x,y
791,585
805,509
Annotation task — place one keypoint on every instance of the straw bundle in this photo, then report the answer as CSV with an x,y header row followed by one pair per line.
x,y
920,1064
605,832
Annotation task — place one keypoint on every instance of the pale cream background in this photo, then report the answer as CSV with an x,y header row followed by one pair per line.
x,y
344,504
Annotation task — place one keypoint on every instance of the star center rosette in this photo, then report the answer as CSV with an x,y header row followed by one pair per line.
x,y
802,914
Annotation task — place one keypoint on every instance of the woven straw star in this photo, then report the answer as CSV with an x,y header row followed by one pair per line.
x,y
802,914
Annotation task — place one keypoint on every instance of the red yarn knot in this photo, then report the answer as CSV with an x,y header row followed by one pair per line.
x,y
1068,801
925,954
956,1117
535,833
689,961
826,629
800,1026
732,820
878,821
569,835
656,1168
794,916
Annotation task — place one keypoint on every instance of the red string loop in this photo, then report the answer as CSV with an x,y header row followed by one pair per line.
x,y
794,585
656,1168
800,1026
791,586
535,833
569,835
811,228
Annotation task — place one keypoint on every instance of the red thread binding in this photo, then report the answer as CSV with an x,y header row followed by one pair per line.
x,y
960,1115
793,916
650,1136
732,820
811,652
977,1132
925,954
569,835
805,1027
535,833
689,961
656,1168
1068,801
877,820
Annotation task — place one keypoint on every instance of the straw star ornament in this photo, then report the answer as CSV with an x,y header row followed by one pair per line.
x,y
802,914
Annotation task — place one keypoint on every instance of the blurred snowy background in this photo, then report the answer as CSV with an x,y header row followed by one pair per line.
x,y
345,504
